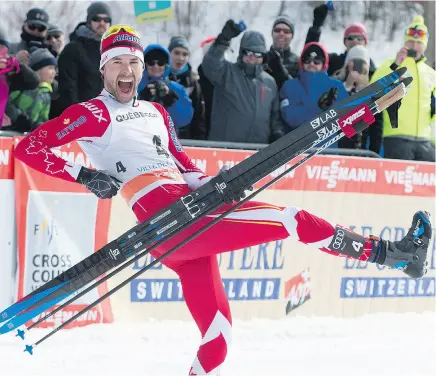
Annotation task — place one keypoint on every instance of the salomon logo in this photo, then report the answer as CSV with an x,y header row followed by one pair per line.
x,y
322,120
114,253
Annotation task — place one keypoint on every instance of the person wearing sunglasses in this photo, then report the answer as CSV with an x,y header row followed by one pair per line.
x,y
78,63
354,35
245,105
156,86
413,138
313,91
33,34
133,149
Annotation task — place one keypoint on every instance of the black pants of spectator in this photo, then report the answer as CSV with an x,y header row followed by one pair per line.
x,y
402,148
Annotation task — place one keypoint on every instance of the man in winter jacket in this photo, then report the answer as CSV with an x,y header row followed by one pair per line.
x,y
156,86
13,76
313,91
416,115
182,73
33,34
245,100
79,62
282,34
354,35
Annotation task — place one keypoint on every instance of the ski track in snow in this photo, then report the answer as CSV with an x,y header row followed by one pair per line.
x,y
372,345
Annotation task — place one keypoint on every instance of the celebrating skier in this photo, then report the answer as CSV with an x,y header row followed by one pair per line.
x,y
134,147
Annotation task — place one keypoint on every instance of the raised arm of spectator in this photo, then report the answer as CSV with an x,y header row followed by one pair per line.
x,y
68,77
215,66
319,17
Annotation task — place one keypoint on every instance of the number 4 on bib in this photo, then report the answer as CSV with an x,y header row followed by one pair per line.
x,y
120,167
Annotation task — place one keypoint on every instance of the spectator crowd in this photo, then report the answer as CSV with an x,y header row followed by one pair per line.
x,y
264,95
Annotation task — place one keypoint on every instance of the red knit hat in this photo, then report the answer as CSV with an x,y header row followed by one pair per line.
x,y
120,40
356,28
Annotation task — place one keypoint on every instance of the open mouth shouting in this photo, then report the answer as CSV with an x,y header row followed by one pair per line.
x,y
125,87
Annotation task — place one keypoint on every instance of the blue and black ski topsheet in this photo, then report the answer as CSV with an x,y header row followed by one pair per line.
x,y
191,207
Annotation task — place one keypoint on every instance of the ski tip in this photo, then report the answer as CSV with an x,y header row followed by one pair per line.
x,y
29,349
20,333
401,71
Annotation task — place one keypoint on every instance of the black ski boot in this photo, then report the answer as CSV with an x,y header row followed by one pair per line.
x,y
410,253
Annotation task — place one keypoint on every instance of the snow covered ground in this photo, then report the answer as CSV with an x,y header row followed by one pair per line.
x,y
373,345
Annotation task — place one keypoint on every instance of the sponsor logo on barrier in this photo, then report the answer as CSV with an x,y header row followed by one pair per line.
x,y
336,172
323,119
4,157
170,290
387,287
410,178
297,290
266,257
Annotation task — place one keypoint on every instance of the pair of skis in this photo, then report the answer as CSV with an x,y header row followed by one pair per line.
x,y
346,118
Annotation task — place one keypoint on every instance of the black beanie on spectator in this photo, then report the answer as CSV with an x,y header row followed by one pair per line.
x,y
283,19
98,7
156,54
252,41
54,30
3,39
40,58
37,16
178,41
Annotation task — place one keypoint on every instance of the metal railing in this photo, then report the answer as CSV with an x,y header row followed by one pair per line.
x,y
243,146
249,146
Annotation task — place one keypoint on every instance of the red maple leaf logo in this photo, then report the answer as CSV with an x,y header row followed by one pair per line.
x,y
54,164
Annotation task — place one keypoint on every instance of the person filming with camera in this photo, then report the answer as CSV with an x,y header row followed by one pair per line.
x,y
412,140
156,86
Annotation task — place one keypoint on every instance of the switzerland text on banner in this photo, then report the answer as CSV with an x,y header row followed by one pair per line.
x,y
336,173
7,222
58,224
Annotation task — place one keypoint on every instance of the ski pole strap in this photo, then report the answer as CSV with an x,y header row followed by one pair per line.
x,y
360,114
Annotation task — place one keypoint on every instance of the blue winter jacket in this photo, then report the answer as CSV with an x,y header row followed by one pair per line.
x,y
299,97
182,111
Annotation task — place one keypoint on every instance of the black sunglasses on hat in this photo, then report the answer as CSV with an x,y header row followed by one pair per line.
x,y
99,19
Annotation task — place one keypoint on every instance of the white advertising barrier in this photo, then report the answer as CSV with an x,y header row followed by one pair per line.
x,y
7,223
59,224
371,196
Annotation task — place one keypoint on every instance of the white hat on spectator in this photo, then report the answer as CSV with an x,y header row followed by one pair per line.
x,y
357,52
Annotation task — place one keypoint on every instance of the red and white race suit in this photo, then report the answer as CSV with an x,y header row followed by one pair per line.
x,y
137,144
